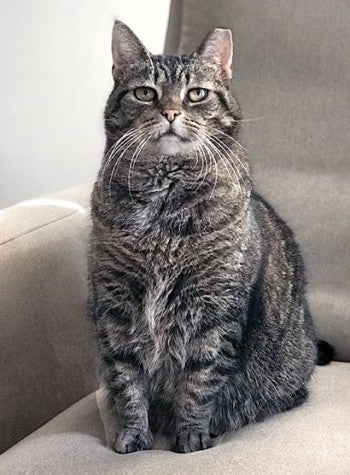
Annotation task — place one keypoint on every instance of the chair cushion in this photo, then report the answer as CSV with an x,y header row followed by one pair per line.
x,y
314,438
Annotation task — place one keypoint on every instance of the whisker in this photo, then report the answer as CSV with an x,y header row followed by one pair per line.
x,y
203,161
194,126
115,167
254,119
211,157
112,150
120,142
230,151
125,140
134,158
193,143
228,136
222,144
223,158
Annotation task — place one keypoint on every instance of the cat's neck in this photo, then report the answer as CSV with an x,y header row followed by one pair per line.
x,y
175,209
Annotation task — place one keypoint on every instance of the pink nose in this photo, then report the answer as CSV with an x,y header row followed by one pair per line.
x,y
170,114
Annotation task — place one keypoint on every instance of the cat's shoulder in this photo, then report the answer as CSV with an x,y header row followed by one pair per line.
x,y
262,208
270,221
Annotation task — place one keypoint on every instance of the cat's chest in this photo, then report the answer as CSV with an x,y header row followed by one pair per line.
x,y
163,316
165,260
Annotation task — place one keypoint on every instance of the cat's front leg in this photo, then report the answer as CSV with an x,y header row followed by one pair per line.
x,y
126,383
212,359
195,399
129,393
193,409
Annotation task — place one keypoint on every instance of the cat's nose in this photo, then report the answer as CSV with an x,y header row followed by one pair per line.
x,y
170,114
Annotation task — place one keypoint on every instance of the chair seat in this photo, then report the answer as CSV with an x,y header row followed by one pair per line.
x,y
313,438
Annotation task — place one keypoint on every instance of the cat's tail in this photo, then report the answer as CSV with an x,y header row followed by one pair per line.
x,y
325,353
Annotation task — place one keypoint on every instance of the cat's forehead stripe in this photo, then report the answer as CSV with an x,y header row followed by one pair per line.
x,y
171,69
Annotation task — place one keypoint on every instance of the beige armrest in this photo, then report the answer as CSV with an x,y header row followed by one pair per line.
x,y
47,349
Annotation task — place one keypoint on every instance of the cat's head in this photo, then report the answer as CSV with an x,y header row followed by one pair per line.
x,y
171,102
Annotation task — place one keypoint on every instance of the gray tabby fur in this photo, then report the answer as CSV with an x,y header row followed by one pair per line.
x,y
197,288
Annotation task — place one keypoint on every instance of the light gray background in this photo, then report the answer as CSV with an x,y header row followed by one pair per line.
x,y
55,68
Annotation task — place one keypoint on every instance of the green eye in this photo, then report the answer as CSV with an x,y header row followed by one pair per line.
x,y
197,94
145,94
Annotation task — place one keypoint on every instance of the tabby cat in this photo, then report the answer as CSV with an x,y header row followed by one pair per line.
x,y
197,288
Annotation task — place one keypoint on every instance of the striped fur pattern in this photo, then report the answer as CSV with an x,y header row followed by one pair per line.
x,y
197,288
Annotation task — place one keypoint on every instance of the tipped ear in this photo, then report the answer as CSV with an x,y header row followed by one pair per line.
x,y
127,49
218,48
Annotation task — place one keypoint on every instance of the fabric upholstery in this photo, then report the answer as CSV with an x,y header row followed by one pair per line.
x,y
312,439
292,73
47,350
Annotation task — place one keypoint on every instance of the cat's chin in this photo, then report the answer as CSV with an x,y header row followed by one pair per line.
x,y
173,145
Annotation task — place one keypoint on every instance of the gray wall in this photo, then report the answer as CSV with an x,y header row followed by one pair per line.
x,y
54,79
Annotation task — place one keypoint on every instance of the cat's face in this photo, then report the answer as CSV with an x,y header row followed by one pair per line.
x,y
173,104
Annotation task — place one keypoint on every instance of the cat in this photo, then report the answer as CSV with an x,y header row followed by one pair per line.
x,y
197,287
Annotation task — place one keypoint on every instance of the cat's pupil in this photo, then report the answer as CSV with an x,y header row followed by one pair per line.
x,y
197,94
145,93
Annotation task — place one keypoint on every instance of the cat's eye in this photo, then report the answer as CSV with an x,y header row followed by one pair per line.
x,y
145,94
197,94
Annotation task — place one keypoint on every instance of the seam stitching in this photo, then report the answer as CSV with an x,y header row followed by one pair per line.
x,y
41,226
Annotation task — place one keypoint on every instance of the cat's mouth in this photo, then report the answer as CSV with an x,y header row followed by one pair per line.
x,y
172,141
171,134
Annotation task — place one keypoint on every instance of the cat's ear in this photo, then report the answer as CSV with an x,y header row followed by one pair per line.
x,y
218,48
127,49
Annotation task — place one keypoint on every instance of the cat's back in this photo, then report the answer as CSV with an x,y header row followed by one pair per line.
x,y
281,254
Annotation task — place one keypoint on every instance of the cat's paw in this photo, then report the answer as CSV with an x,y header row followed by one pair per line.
x,y
192,441
131,440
